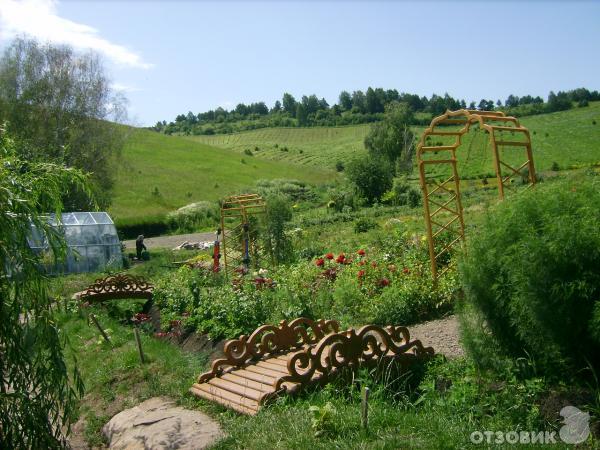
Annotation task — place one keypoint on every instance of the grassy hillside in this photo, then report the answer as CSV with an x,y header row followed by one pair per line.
x,y
316,146
160,173
568,138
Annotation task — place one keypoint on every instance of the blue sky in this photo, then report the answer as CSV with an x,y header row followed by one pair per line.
x,y
172,57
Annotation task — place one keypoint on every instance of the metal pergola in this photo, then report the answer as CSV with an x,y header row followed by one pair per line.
x,y
240,244
442,200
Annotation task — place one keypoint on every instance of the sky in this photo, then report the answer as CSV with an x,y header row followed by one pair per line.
x,y
170,57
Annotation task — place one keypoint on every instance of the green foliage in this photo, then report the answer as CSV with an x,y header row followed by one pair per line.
x,y
276,220
37,390
402,193
322,418
193,217
61,107
371,176
392,138
532,279
294,190
414,300
364,224
339,166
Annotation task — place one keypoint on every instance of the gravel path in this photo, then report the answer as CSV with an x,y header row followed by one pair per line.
x,y
443,335
172,241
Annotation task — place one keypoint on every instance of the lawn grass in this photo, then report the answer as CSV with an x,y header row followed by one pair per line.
x,y
159,173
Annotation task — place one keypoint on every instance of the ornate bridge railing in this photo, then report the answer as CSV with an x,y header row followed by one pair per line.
x,y
116,287
279,360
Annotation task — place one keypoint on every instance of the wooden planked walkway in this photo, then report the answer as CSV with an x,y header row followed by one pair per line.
x,y
274,361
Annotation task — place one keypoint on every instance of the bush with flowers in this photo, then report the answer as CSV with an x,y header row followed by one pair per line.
x,y
363,286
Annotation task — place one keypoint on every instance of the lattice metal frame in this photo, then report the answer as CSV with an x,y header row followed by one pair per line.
x,y
442,203
240,208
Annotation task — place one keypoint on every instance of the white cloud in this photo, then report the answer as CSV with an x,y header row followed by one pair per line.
x,y
38,19
124,87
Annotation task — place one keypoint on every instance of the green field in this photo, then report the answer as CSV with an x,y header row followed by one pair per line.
x,y
159,173
316,146
183,170
568,138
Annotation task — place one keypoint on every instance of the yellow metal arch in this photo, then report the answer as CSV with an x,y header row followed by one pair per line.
x,y
442,200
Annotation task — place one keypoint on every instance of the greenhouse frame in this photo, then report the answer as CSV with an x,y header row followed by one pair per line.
x,y
92,240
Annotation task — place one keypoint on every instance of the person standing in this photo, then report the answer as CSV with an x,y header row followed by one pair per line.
x,y
139,246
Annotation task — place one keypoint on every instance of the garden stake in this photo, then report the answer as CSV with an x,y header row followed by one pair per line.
x,y
104,335
365,408
139,344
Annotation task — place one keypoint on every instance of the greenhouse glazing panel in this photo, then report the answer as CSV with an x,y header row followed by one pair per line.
x,y
92,241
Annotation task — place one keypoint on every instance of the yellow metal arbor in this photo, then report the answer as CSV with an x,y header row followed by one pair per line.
x,y
240,244
440,181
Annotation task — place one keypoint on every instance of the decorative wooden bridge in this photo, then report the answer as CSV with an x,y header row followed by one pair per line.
x,y
274,361
116,287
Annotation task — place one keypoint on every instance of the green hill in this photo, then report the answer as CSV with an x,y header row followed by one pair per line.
x,y
160,173
568,138
316,146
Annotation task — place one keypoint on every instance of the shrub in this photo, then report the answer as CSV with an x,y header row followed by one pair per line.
x,y
364,224
277,242
248,152
555,167
190,218
413,300
339,166
294,190
371,176
532,280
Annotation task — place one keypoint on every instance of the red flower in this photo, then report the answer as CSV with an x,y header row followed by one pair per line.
x,y
362,263
340,259
319,262
405,270
360,274
373,264
329,256
361,252
384,282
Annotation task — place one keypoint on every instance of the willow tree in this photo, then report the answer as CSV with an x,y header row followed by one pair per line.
x,y
60,105
37,390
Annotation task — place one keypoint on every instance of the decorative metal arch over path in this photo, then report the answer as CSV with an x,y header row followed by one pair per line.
x,y
442,199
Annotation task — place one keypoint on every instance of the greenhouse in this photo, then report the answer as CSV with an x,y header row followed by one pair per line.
x,y
91,237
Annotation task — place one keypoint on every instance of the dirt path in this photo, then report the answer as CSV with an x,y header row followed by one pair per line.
x,y
172,241
443,335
